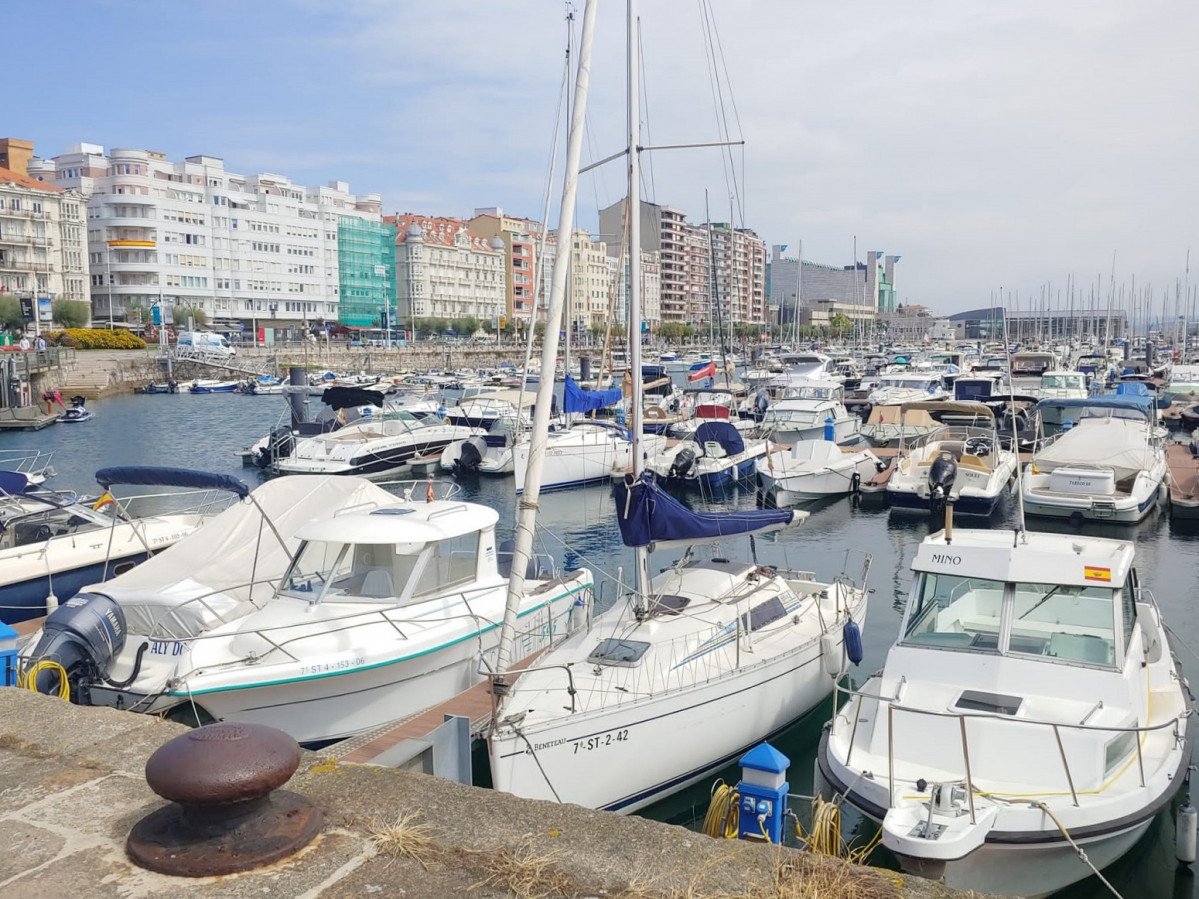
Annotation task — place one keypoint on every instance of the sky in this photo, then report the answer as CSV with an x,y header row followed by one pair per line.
x,y
998,147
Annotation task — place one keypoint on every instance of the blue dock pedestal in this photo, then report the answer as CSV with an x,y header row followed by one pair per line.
x,y
763,794
8,656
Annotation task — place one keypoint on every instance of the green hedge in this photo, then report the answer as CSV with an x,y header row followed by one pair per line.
x,y
97,339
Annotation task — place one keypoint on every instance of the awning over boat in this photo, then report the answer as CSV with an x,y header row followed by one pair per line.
x,y
1139,406
152,476
576,399
722,432
649,516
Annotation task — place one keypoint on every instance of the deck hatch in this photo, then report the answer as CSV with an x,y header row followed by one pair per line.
x,y
981,701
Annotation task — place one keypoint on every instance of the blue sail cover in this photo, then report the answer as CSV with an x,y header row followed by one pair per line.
x,y
722,432
576,399
648,515
148,475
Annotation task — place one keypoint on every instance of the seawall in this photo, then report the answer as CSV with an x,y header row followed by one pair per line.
x,y
73,786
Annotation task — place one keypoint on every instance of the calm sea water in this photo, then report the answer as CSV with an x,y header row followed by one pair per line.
x,y
578,527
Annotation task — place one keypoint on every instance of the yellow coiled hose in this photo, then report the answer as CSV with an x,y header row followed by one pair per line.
x,y
27,679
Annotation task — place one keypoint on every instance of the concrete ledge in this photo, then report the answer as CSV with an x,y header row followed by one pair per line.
x,y
73,786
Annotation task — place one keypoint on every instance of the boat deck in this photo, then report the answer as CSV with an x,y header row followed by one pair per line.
x,y
1184,481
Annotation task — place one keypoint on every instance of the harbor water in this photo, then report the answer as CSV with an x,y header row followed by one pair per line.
x,y
578,527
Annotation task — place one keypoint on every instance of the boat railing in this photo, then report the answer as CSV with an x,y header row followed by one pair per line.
x,y
389,615
203,503
893,708
29,462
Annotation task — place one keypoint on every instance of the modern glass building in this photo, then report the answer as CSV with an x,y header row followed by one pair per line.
x,y
366,260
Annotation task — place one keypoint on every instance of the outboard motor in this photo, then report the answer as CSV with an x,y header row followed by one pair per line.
x,y
683,462
761,404
83,635
278,446
470,455
941,475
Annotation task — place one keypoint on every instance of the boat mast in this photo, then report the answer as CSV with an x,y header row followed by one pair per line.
x,y
527,518
633,200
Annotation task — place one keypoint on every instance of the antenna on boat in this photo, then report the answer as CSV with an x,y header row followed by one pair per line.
x,y
1020,530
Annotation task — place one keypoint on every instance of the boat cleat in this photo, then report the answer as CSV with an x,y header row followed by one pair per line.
x,y
938,829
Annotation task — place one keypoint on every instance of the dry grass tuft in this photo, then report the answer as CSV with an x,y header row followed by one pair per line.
x,y
526,873
405,838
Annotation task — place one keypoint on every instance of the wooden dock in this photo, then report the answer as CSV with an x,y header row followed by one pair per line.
x,y
473,703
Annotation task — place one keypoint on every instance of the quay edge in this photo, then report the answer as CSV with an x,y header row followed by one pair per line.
x,y
75,785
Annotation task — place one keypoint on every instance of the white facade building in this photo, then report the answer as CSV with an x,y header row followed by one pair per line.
x,y
443,271
245,249
41,235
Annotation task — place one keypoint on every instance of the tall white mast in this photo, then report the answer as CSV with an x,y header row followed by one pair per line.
x,y
527,517
633,199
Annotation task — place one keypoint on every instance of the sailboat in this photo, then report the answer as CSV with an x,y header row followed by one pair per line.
x,y
711,640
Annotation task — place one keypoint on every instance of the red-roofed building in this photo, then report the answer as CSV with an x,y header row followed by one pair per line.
x,y
444,271
41,235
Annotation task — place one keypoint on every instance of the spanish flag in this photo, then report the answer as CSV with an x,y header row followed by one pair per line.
x,y
429,497
1091,573
106,499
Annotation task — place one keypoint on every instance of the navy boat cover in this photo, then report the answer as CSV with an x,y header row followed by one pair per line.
x,y
723,433
649,516
152,476
576,399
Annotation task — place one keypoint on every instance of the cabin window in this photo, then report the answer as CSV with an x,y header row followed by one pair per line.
x,y
451,561
955,612
1128,608
316,565
1117,749
1067,622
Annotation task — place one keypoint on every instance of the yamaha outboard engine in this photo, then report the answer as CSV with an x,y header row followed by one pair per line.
x,y
941,475
83,635
470,455
278,446
761,404
683,462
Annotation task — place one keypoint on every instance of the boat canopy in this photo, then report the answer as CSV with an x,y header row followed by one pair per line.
x,y
649,516
576,399
152,476
13,483
346,397
1125,402
957,408
721,432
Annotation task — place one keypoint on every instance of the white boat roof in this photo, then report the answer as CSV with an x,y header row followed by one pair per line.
x,y
1032,557
495,397
404,522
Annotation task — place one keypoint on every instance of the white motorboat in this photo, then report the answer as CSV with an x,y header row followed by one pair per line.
x,y
1184,381
379,446
1031,708
488,453
386,608
962,462
897,387
716,455
805,411
716,404
1109,466
708,641
813,469
585,452
52,544
1026,368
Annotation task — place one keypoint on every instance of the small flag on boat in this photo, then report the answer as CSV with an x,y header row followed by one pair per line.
x,y
708,371
429,493
1091,573
106,499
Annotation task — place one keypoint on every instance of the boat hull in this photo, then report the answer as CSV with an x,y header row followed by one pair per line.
x,y
705,726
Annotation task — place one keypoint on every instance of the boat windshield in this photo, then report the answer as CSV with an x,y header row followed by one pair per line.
x,y
1058,621
1073,623
351,571
1061,382
954,611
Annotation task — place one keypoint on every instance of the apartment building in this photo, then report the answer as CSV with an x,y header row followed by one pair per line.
x,y
682,251
519,237
245,249
41,235
444,271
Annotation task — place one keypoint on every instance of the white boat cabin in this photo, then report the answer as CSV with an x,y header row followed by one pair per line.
x,y
399,554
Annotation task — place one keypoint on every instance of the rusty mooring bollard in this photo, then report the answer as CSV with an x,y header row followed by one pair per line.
x,y
226,813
